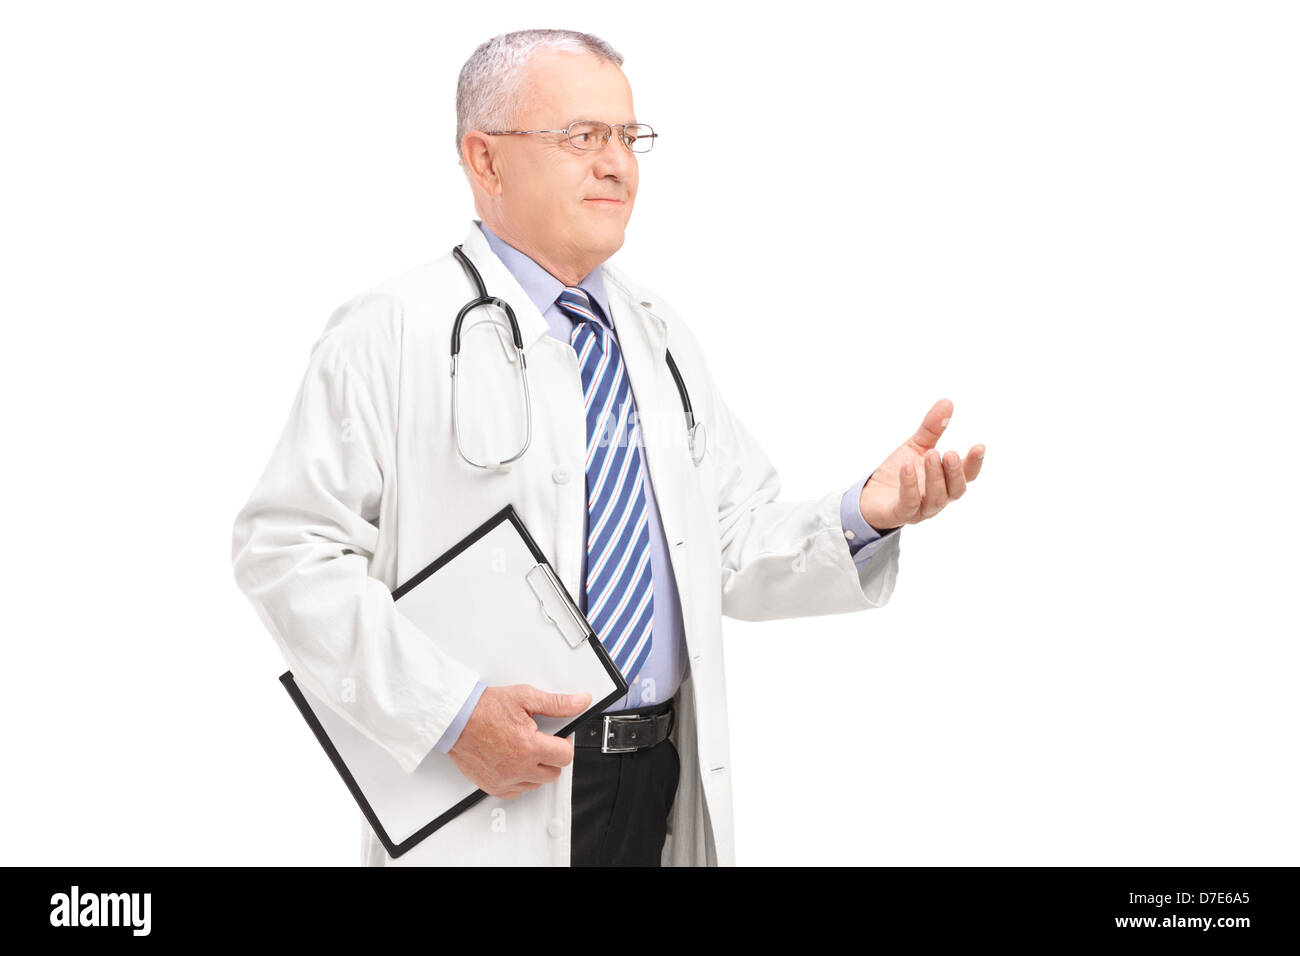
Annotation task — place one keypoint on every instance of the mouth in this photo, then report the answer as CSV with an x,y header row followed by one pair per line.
x,y
605,202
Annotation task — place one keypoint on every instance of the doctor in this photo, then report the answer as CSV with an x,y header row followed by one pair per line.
x,y
656,535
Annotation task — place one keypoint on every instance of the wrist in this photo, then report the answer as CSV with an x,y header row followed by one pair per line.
x,y
878,525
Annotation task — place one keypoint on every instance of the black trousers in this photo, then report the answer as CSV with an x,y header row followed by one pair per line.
x,y
621,803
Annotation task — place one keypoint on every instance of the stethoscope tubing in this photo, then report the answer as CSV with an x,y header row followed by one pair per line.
x,y
695,436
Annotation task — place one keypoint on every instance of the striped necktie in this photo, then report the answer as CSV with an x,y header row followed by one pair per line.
x,y
619,586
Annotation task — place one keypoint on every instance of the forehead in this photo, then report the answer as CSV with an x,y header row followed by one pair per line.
x,y
562,86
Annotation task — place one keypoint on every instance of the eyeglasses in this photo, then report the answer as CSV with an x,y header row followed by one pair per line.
x,y
593,135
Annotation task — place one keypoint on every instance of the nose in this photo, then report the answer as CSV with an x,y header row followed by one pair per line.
x,y
616,158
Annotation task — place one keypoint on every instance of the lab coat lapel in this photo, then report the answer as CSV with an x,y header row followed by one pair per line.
x,y
643,338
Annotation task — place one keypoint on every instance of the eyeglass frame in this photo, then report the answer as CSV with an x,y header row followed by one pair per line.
x,y
568,136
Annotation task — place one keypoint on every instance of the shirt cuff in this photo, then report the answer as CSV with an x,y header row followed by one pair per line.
x,y
863,540
452,733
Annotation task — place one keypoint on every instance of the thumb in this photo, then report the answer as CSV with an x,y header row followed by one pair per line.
x,y
932,426
556,705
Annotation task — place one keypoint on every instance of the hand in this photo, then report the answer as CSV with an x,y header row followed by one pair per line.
x,y
914,483
501,750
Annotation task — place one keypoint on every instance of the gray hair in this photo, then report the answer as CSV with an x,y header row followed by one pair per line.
x,y
491,81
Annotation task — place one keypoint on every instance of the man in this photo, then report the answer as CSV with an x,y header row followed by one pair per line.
x,y
654,545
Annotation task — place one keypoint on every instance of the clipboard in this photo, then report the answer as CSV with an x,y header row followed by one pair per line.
x,y
493,582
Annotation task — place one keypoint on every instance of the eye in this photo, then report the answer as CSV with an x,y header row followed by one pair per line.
x,y
588,135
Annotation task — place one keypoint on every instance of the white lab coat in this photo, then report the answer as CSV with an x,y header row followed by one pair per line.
x,y
365,488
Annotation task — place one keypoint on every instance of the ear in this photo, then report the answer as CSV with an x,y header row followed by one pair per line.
x,y
479,157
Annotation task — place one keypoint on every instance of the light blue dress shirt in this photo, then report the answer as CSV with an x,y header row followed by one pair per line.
x,y
666,666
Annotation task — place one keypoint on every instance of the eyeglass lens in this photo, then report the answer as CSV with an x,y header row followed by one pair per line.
x,y
594,135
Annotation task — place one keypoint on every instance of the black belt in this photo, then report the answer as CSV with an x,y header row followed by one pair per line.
x,y
622,731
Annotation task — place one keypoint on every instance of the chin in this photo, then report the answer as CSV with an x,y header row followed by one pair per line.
x,y
611,233
614,241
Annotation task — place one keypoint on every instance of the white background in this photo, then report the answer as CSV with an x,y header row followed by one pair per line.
x,y
1076,220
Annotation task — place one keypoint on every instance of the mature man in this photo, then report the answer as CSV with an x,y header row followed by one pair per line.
x,y
656,544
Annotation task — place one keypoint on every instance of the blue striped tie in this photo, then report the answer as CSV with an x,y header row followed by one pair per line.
x,y
619,586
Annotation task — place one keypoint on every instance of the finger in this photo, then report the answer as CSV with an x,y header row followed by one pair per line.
x,y
909,492
974,458
932,426
953,473
936,489
557,705
545,773
530,781
553,751
539,774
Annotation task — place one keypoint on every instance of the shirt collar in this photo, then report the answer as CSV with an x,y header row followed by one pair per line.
x,y
538,284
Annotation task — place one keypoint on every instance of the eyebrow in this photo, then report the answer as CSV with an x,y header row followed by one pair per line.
x,y
582,119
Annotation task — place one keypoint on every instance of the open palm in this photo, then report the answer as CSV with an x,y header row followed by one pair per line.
x,y
915,482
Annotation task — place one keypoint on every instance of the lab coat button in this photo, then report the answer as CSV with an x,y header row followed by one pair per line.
x,y
559,476
555,828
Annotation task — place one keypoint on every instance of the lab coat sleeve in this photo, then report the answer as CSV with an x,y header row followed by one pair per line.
x,y
784,559
303,543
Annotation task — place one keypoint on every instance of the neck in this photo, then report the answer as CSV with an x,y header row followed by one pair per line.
x,y
569,266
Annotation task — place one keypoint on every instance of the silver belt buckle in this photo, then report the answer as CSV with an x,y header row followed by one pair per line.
x,y
605,748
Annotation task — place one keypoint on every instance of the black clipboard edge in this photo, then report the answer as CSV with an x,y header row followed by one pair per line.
x,y
394,850
508,513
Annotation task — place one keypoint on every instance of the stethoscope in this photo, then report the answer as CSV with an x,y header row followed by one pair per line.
x,y
696,438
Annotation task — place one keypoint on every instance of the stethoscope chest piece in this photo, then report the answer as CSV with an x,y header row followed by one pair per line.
x,y
699,440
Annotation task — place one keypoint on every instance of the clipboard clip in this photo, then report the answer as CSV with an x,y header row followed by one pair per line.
x,y
556,606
